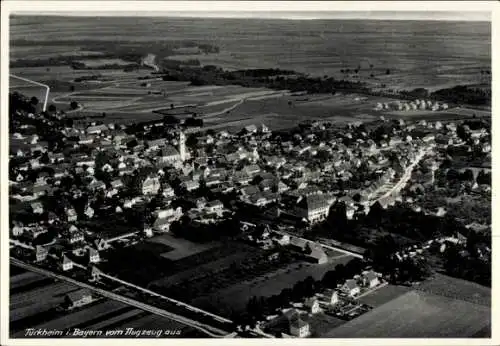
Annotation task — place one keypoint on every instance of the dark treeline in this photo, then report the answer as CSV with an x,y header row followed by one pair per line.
x,y
464,94
266,78
459,94
126,50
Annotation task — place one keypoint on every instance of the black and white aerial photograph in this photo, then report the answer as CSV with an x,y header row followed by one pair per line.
x,y
179,173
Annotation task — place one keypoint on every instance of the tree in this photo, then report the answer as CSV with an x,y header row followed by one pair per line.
x,y
73,105
307,249
483,178
337,216
309,286
192,140
45,158
468,175
330,279
52,108
34,101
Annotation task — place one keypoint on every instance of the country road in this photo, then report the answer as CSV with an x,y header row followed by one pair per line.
x,y
186,306
47,88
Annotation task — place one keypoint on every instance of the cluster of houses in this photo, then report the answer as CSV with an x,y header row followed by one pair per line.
x,y
297,317
292,177
411,106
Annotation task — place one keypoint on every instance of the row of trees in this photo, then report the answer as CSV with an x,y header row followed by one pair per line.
x,y
269,78
463,94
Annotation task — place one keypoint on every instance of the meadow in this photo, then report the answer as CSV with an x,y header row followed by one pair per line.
x,y
418,53
416,315
236,296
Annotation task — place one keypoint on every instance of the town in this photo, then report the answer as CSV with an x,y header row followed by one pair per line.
x,y
172,219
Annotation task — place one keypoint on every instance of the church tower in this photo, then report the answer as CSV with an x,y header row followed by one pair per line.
x,y
182,146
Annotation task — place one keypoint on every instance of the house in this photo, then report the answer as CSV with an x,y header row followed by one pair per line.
x,y
107,168
251,170
314,208
17,230
116,184
95,185
19,177
151,185
350,288
66,263
71,215
96,129
83,139
169,213
162,225
283,239
370,279
169,155
318,255
312,305
74,235
37,208
40,253
214,206
190,185
241,178
298,327
156,144
212,181
93,255
332,296
168,191
78,298
251,128
89,211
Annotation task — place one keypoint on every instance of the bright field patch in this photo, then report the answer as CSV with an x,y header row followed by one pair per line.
x,y
454,288
384,295
418,315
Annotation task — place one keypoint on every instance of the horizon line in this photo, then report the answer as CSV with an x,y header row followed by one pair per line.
x,y
469,16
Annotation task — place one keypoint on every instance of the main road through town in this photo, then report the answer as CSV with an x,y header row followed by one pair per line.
x,y
396,189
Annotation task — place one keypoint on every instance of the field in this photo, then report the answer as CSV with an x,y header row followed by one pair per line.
x,y
454,288
101,62
416,315
237,295
383,295
180,247
456,54
33,299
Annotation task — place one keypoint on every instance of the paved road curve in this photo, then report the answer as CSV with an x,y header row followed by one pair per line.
x,y
39,84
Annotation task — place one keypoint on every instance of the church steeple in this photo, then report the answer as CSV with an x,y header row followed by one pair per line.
x,y
182,146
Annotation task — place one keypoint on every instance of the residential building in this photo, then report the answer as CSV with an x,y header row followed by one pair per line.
x,y
370,279
66,263
41,253
78,298
151,185
351,288
312,305
93,255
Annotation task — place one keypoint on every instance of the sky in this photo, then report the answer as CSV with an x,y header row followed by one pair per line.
x,y
295,15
